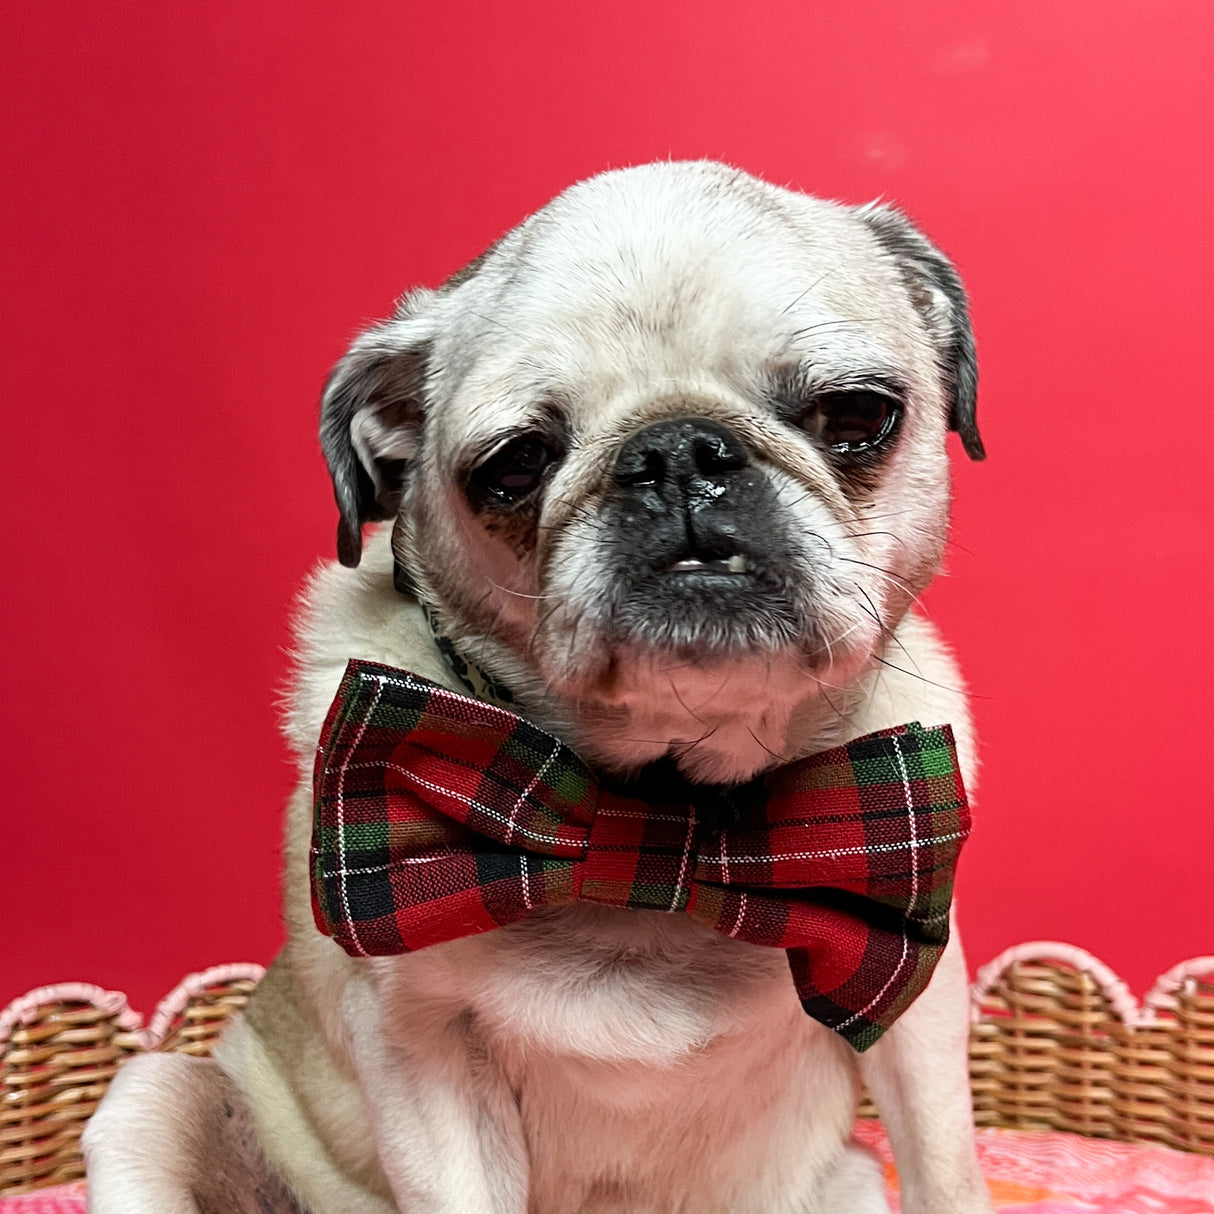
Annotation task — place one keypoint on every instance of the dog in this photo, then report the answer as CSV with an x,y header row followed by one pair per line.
x,y
666,466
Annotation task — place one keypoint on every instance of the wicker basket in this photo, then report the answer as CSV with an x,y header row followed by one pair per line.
x,y
61,1045
1058,1043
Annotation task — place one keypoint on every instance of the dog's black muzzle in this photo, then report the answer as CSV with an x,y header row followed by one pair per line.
x,y
701,547
691,485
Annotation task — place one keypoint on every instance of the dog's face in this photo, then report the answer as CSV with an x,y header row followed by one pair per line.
x,y
680,434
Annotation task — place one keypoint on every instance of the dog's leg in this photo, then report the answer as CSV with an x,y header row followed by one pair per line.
x,y
447,1126
173,1137
918,1074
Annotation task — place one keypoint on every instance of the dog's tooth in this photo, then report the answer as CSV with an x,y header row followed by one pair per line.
x,y
737,563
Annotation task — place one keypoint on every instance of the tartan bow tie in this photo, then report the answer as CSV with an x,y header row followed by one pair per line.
x,y
439,816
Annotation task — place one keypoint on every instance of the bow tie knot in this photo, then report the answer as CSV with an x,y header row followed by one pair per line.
x,y
438,816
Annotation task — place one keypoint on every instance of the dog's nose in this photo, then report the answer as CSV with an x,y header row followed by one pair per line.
x,y
680,452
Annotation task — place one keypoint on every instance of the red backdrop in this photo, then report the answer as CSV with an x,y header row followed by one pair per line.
x,y
204,201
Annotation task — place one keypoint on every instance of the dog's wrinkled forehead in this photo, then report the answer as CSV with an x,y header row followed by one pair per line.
x,y
654,282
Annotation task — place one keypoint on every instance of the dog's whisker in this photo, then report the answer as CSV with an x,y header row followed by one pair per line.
x,y
493,320
886,631
880,518
893,578
915,675
571,646
830,325
889,573
519,594
685,746
779,758
845,634
683,703
540,624
864,535
813,286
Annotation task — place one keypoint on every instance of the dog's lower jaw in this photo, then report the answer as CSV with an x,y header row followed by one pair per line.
x,y
722,718
702,714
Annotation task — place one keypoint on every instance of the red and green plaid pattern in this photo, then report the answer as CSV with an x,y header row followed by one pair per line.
x,y
438,816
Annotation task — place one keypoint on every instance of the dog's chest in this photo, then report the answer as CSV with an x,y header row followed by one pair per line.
x,y
644,1050
655,1064
594,984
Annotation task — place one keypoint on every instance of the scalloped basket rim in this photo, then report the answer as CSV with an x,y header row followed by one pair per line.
x,y
25,1008
1161,997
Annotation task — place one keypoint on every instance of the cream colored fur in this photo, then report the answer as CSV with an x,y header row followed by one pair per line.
x,y
587,1060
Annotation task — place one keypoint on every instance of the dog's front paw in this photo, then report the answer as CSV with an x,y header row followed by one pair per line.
x,y
172,1136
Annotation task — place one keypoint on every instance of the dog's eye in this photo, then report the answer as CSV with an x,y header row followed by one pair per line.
x,y
515,471
851,421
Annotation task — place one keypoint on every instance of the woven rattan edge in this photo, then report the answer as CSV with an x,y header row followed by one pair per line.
x,y
1058,1042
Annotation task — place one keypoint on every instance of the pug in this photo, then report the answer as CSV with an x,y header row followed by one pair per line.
x,y
663,474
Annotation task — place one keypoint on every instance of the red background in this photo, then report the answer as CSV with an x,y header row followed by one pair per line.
x,y
204,201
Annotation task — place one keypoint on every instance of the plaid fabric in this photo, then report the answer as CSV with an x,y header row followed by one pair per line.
x,y
438,816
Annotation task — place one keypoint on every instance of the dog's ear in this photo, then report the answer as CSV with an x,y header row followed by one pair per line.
x,y
936,291
371,417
